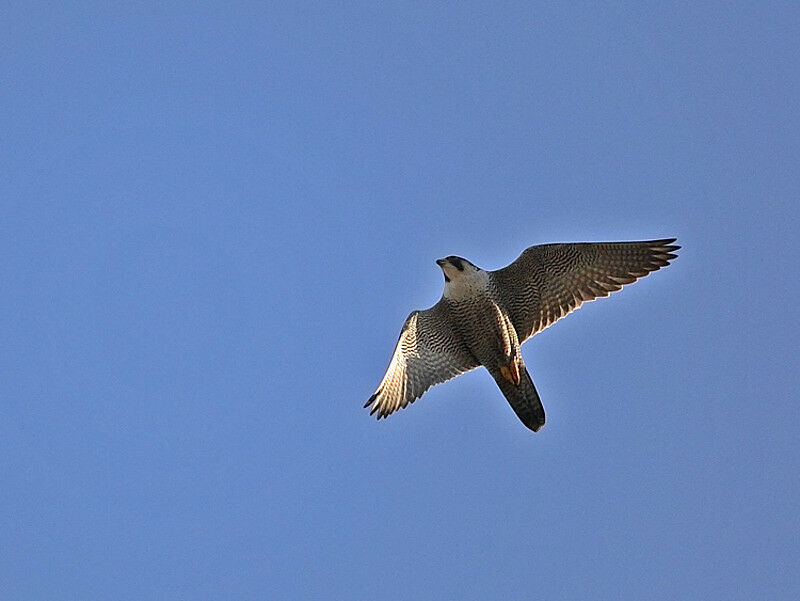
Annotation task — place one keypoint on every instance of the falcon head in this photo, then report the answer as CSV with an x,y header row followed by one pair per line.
x,y
455,268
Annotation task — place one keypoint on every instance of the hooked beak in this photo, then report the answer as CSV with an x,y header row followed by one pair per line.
x,y
441,262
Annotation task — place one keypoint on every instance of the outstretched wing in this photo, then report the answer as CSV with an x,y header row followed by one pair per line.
x,y
427,353
549,281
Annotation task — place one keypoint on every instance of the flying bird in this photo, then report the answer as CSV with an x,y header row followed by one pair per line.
x,y
484,316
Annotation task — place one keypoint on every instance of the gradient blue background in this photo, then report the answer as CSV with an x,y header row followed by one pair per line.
x,y
215,220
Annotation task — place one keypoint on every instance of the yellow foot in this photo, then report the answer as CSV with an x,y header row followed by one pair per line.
x,y
511,373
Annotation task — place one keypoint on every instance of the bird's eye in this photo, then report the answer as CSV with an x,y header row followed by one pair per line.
x,y
458,263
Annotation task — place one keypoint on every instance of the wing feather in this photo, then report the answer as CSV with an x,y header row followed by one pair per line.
x,y
550,281
427,353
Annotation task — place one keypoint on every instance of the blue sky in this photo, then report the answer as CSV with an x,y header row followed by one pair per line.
x,y
215,219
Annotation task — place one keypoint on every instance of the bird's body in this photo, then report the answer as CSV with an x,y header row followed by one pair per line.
x,y
484,316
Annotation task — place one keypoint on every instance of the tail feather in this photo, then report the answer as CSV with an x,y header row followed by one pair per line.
x,y
523,398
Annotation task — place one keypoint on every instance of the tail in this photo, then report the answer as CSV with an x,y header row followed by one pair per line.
x,y
523,398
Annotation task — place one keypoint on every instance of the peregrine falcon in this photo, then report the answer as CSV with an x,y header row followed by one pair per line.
x,y
484,316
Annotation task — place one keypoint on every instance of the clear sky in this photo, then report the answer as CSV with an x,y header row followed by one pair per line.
x,y
215,219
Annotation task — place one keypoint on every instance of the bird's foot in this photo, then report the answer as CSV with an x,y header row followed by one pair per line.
x,y
511,372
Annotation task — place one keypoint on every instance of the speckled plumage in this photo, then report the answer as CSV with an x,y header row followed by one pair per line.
x,y
484,317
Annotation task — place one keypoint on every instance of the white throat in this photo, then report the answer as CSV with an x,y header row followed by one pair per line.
x,y
466,285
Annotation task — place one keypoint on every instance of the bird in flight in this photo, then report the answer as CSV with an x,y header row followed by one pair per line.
x,y
484,316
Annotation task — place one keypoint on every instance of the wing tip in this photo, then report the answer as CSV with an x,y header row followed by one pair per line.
x,y
661,241
664,245
662,252
382,412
